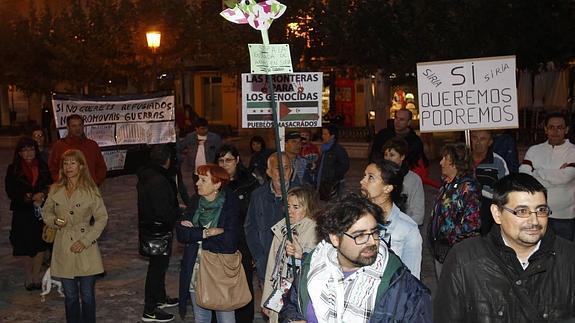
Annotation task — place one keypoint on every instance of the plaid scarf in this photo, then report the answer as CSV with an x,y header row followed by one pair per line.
x,y
339,299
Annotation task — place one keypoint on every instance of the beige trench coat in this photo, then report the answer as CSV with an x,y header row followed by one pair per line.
x,y
77,210
306,236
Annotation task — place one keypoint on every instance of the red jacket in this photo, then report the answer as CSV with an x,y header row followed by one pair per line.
x,y
91,150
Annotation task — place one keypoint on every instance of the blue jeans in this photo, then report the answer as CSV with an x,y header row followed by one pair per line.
x,y
74,290
202,315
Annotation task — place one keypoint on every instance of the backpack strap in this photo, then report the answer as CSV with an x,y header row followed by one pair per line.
x,y
393,264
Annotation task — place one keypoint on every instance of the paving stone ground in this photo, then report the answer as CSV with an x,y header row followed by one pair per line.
x,y
120,294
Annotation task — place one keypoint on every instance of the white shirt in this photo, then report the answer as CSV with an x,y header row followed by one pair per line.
x,y
560,183
201,154
524,263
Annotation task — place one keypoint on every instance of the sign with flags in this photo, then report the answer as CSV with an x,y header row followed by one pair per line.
x,y
297,95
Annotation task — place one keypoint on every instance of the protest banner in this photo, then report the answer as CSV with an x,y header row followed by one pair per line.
x,y
119,120
120,123
467,94
298,96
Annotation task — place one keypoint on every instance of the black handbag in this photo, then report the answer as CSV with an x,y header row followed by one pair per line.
x,y
155,239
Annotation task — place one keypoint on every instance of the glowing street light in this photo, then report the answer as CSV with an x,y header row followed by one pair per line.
x,y
153,38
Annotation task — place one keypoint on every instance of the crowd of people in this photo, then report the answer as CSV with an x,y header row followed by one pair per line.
x,y
501,235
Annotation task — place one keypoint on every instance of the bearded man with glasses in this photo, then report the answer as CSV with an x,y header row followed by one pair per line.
x,y
351,276
519,272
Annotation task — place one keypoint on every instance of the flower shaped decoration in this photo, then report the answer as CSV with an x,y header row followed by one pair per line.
x,y
258,15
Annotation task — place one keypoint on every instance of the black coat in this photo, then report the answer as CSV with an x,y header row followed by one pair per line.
x,y
243,186
26,230
474,288
334,165
414,145
157,197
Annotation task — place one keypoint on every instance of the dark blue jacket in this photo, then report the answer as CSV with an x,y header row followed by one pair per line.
x,y
334,164
505,146
226,242
400,297
264,211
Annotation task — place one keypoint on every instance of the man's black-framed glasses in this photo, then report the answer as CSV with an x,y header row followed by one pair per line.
x,y
542,211
363,238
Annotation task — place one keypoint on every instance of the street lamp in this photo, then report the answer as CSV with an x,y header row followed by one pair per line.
x,y
153,38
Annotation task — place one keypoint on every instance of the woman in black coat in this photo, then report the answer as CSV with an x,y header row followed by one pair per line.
x,y
242,183
27,183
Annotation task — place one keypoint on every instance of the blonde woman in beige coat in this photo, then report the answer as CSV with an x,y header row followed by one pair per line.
x,y
76,259
302,205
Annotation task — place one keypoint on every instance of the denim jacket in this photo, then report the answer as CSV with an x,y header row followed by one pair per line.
x,y
406,241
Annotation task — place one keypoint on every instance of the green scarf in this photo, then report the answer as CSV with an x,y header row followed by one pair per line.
x,y
208,213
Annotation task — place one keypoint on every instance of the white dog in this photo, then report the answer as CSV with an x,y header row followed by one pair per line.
x,y
47,283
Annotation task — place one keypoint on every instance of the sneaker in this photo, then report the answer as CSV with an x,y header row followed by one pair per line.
x,y
168,302
157,316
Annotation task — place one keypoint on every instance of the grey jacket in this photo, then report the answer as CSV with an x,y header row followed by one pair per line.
x,y
190,144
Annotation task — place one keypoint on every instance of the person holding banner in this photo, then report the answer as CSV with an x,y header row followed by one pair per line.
x,y
76,139
303,203
455,215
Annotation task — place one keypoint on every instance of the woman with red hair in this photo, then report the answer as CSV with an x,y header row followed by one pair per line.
x,y
212,221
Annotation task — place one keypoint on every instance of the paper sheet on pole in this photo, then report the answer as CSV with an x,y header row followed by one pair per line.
x,y
466,94
270,59
297,95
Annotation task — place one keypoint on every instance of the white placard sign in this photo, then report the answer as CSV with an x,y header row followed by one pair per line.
x,y
270,59
115,159
297,95
467,94
120,120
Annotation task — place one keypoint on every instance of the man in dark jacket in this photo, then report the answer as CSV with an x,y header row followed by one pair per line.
x,y
158,211
265,210
332,166
519,272
401,128
351,276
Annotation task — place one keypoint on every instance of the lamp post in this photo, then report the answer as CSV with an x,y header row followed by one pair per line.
x,y
153,38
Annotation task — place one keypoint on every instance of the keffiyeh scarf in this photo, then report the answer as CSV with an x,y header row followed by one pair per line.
x,y
339,299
